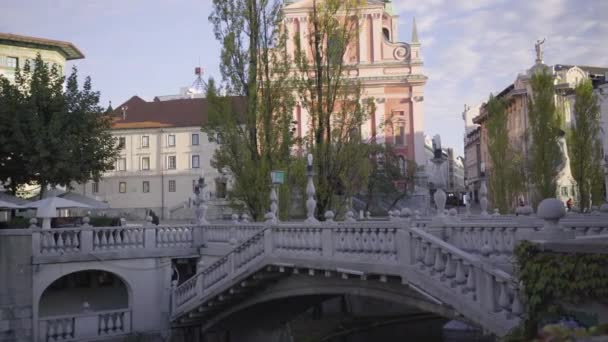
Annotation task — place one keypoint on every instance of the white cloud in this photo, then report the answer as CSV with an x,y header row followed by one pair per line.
x,y
477,47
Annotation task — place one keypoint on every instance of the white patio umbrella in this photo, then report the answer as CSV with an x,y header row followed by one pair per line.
x,y
9,205
47,208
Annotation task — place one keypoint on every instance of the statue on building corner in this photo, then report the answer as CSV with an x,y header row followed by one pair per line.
x,y
199,202
539,50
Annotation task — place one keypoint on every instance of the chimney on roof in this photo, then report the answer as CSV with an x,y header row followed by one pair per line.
x,y
124,112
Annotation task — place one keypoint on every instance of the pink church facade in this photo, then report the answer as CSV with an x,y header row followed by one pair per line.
x,y
391,72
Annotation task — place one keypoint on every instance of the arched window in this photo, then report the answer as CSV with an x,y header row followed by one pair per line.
x,y
386,33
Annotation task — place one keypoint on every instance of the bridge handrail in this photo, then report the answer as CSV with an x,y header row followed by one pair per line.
x,y
405,247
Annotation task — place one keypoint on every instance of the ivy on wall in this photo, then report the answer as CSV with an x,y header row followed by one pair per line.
x,y
553,279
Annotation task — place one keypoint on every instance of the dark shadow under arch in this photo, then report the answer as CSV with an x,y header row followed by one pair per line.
x,y
321,288
101,290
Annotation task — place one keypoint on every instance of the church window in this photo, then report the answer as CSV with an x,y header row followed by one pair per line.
x,y
386,33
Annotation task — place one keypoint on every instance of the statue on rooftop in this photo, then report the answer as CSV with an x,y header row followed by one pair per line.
x,y
539,50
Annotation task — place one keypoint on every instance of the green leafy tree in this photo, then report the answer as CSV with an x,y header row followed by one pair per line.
x,y
251,111
585,145
333,102
545,122
504,177
390,178
58,137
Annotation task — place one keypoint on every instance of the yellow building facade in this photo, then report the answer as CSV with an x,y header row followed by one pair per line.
x,y
17,50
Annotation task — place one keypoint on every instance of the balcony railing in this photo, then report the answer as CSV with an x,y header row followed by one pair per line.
x,y
85,326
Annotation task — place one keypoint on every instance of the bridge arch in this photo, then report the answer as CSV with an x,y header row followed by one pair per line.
x,y
143,279
303,286
86,290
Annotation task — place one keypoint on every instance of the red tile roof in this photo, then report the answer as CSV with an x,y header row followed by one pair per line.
x,y
162,114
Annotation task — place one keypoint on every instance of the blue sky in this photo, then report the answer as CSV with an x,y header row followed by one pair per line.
x,y
470,47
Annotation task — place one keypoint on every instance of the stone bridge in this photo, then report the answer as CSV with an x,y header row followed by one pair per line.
x,y
455,267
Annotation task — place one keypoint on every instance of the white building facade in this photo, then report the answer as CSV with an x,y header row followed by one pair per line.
x,y
163,153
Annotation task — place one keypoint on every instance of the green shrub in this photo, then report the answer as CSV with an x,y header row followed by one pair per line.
x,y
16,223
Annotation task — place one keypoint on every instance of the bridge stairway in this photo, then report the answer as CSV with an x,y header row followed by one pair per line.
x,y
406,258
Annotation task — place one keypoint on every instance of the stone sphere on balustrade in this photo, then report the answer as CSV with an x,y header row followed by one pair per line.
x,y
551,209
406,212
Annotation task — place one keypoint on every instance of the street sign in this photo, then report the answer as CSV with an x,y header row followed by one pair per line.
x,y
278,177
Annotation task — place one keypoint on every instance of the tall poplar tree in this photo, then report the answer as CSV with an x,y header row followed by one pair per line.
x,y
252,109
51,136
545,155
585,145
504,178
333,100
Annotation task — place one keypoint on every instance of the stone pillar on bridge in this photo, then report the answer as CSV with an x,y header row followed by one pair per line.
x,y
551,210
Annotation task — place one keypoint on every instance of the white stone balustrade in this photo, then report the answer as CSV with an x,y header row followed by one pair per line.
x,y
174,236
364,243
477,288
488,288
297,240
59,241
594,225
117,238
223,233
488,238
86,326
86,240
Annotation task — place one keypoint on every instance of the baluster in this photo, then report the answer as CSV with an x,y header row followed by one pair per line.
x,y
287,240
51,324
466,239
177,236
439,265
428,256
104,323
461,277
173,237
367,241
487,241
417,245
470,286
112,322
140,237
382,249
450,270
189,236
516,307
59,246
60,328
111,240
504,301
95,240
458,237
121,238
69,331
76,241
119,319
499,240
67,237
375,243
306,241
339,243
128,238
43,243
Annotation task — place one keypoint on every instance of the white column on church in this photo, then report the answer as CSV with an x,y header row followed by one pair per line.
x,y
377,31
363,39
